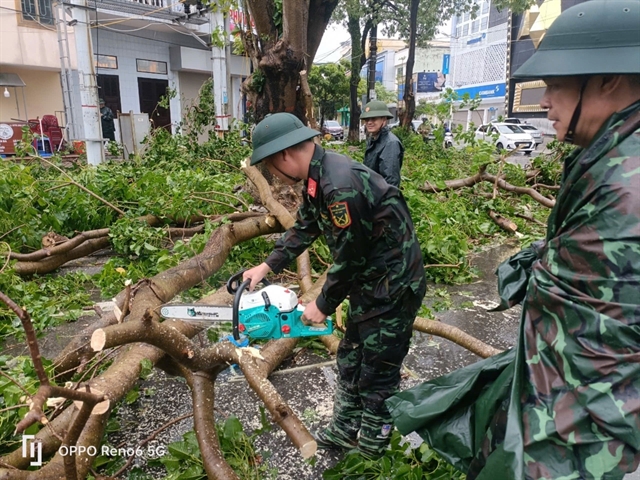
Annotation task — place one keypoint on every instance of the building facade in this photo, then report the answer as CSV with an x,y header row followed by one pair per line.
x,y
141,49
430,70
479,62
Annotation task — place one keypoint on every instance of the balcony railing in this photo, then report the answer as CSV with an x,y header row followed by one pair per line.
x,y
161,9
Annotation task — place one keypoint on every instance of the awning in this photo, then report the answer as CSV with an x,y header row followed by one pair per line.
x,y
11,80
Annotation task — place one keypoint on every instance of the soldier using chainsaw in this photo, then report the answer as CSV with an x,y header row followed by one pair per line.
x,y
377,263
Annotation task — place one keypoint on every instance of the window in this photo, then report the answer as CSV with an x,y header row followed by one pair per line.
x,y
465,30
399,72
484,23
151,66
458,31
485,7
37,11
466,17
475,26
107,61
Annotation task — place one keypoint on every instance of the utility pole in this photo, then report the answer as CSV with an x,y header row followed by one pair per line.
x,y
88,86
373,50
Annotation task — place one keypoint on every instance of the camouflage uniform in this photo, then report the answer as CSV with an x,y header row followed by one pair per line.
x,y
378,263
566,403
384,155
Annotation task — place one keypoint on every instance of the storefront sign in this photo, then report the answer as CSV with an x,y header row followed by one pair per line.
x,y
484,91
446,61
10,134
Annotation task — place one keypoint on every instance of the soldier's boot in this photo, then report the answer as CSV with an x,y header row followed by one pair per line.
x,y
328,440
342,432
375,434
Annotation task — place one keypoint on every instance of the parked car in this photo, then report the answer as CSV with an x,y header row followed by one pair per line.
x,y
512,120
333,128
510,137
533,131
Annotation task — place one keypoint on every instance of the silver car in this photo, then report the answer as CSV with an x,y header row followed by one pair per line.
x,y
533,131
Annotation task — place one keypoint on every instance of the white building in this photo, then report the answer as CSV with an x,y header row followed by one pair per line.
x,y
430,65
140,48
478,62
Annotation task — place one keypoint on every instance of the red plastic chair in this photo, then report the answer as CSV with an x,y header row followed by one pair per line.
x,y
56,138
34,125
49,121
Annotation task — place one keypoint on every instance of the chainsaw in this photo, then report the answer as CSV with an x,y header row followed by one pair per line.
x,y
270,313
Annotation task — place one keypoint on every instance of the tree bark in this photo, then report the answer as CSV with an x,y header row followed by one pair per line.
x,y
357,61
483,176
280,55
409,97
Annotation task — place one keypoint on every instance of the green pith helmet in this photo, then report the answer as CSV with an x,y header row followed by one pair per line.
x,y
276,132
375,108
592,38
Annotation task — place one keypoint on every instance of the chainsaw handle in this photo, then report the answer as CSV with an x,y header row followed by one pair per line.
x,y
234,281
236,306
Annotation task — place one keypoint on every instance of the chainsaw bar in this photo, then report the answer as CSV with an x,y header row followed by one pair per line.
x,y
199,313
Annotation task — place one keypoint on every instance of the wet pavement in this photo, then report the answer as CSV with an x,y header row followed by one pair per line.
x,y
308,384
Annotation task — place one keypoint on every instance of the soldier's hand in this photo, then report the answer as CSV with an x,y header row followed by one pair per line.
x,y
313,314
256,274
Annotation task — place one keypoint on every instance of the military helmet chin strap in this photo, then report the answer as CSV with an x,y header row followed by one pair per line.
x,y
571,131
293,179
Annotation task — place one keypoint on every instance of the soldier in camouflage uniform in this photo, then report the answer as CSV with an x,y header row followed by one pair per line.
x,y
565,404
377,262
384,152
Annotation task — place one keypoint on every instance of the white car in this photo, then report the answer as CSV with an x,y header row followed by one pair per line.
x,y
509,137
533,131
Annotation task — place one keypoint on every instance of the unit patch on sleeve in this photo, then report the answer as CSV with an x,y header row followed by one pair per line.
x,y
340,214
311,187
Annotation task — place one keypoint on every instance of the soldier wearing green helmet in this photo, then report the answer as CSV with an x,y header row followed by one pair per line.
x,y
377,263
565,403
384,152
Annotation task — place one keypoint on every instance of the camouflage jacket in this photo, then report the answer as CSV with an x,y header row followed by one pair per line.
x,y
384,155
566,402
368,229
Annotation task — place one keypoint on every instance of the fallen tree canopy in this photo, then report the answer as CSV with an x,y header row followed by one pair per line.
x,y
447,222
170,342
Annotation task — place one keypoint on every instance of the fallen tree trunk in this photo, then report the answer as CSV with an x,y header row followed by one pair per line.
x,y
483,176
47,260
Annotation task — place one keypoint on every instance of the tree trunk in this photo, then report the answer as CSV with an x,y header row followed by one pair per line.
x,y
357,61
280,51
409,97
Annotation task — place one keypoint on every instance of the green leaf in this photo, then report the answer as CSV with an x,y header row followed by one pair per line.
x,y
146,368
194,472
180,450
232,428
132,395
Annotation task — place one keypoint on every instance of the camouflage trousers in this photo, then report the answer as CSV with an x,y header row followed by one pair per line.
x,y
369,360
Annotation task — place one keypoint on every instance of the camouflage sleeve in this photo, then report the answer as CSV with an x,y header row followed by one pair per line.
x,y
351,217
295,240
390,163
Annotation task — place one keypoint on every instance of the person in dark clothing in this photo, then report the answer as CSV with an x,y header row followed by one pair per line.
x,y
377,263
106,118
384,153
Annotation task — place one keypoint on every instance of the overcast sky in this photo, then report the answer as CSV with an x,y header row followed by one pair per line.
x,y
329,50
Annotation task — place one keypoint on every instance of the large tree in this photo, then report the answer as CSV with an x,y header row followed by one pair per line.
x,y
329,84
285,40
